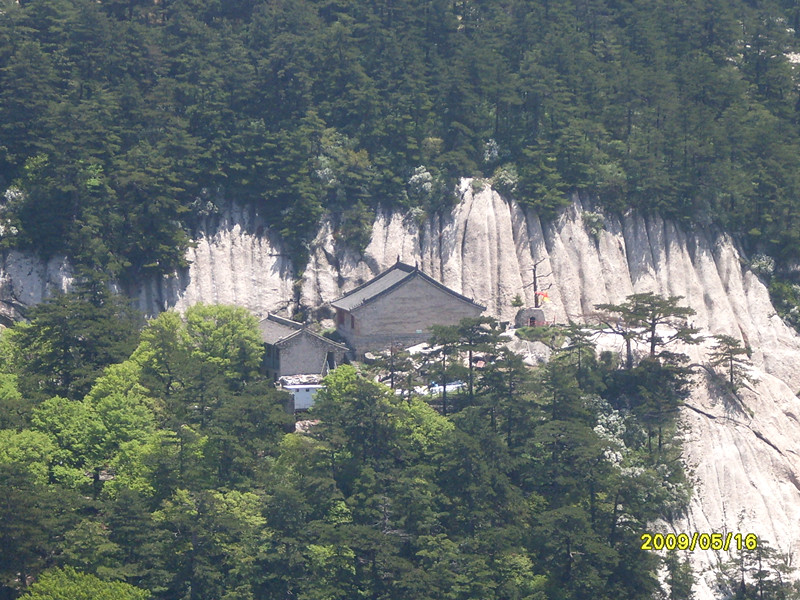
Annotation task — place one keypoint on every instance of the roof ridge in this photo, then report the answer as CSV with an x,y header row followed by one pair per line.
x,y
448,290
396,266
298,332
282,321
410,273
322,337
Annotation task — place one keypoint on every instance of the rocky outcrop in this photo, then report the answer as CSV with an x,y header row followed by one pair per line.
x,y
744,456
235,259
745,453
26,279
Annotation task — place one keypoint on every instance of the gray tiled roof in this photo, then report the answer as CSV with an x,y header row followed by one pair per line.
x,y
365,292
275,328
387,281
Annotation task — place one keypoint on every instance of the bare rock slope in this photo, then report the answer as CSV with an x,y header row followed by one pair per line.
x,y
745,455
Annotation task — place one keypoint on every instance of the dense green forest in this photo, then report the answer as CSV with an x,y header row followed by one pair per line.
x,y
158,462
125,122
154,460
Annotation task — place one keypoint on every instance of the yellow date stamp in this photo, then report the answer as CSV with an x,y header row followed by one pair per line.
x,y
699,541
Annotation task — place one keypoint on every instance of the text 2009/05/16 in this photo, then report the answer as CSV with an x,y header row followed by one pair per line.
x,y
698,541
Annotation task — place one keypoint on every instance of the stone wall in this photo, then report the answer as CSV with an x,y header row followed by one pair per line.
x,y
305,353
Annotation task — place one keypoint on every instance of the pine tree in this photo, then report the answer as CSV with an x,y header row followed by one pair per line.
x,y
639,318
728,354
70,339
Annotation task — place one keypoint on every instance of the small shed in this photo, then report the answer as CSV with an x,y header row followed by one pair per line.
x,y
530,317
303,388
303,395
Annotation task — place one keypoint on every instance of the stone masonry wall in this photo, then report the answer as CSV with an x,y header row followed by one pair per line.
x,y
405,314
303,354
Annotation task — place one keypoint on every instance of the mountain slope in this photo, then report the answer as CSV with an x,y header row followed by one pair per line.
x,y
745,452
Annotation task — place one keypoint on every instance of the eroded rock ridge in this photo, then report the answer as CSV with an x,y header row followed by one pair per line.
x,y
745,455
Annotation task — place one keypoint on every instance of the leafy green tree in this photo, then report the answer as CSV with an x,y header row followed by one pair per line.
x,y
32,518
290,190
28,449
224,415
214,543
69,425
347,396
30,86
69,583
14,409
226,336
245,430
90,436
88,548
191,365
577,561
128,519
540,184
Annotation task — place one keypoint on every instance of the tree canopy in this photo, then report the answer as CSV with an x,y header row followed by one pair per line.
x,y
67,583
175,475
126,124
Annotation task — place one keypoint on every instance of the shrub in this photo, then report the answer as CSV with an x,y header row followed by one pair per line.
x,y
594,223
478,185
505,180
764,265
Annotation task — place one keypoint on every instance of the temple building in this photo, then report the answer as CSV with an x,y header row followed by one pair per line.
x,y
398,307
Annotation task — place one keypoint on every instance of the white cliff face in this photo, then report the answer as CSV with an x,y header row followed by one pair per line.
x,y
235,260
745,459
26,280
745,455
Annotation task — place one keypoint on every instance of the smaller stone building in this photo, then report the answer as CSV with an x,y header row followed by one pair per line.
x,y
530,317
398,307
292,349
